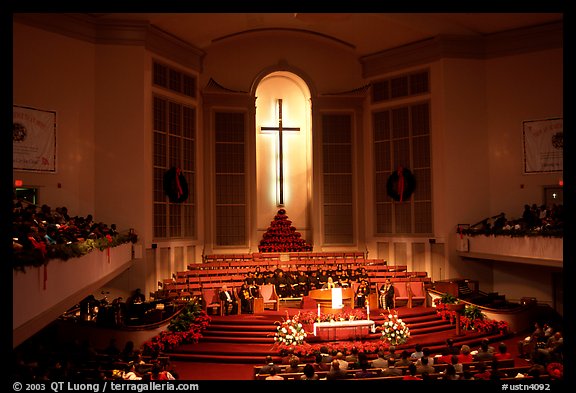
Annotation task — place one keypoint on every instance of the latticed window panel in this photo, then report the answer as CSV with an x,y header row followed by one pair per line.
x,y
403,217
421,151
337,188
230,183
160,220
174,146
384,217
420,117
400,123
175,219
174,80
401,86
381,91
231,157
423,190
337,158
337,178
401,138
338,227
160,150
422,212
230,189
419,83
230,225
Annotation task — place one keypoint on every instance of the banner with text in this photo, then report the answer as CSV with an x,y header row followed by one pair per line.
x,y
543,145
33,139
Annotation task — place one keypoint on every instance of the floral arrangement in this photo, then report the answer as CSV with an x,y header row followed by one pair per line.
x,y
185,328
281,236
290,332
309,317
37,257
556,370
307,350
394,330
473,318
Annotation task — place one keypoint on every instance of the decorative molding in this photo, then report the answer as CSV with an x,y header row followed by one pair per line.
x,y
289,30
214,87
533,250
530,39
117,32
360,91
512,42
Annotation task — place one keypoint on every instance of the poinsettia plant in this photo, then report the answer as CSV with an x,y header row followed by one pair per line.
x,y
310,350
309,317
472,319
185,328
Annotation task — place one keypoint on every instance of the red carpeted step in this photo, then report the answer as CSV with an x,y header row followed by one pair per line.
x,y
239,328
249,338
225,333
243,340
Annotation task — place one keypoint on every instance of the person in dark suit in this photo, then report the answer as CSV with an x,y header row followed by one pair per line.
x,y
361,293
230,304
246,299
269,366
281,283
386,296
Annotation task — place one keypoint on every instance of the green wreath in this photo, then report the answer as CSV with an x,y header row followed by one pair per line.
x,y
175,185
401,185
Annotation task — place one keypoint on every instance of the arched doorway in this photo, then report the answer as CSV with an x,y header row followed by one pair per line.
x,y
283,163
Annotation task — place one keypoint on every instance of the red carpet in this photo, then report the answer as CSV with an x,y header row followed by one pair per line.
x,y
237,343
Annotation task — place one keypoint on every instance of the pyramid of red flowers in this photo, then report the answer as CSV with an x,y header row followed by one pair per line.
x,y
281,236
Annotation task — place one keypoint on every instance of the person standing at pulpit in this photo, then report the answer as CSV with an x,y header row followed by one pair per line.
x,y
386,295
246,299
361,294
330,284
230,304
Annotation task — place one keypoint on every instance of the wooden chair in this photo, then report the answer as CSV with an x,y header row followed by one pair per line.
x,y
417,292
269,296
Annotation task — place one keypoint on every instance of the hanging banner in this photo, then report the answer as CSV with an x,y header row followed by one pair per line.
x,y
33,139
543,145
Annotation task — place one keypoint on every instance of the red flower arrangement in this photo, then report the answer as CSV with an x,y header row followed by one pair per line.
x,y
309,317
556,370
480,323
281,236
185,328
309,350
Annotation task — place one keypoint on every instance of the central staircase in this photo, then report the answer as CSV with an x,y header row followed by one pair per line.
x,y
248,339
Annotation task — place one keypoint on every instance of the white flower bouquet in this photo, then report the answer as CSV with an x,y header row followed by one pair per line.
x,y
394,330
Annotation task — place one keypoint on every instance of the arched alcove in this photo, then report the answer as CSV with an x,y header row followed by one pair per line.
x,y
283,176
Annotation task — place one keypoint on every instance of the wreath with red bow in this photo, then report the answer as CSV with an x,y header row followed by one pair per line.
x,y
175,185
401,184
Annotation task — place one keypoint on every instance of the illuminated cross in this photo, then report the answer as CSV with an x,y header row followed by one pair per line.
x,y
280,129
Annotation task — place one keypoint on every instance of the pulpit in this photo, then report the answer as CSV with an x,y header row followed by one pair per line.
x,y
324,298
459,309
